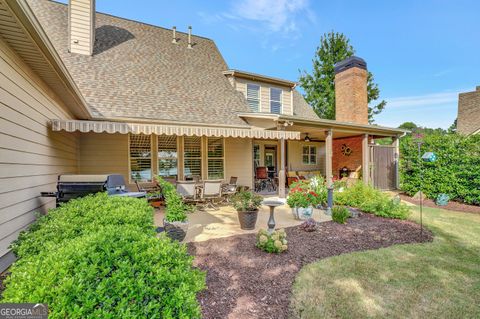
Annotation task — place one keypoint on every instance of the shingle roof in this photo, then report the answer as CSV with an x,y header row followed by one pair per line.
x,y
302,108
137,72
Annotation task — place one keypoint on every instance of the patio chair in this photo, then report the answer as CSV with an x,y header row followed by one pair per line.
x,y
211,193
188,191
230,189
263,181
152,189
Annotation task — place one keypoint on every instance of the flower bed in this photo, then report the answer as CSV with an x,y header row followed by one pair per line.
x,y
99,257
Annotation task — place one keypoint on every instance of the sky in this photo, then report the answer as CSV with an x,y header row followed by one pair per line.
x,y
422,53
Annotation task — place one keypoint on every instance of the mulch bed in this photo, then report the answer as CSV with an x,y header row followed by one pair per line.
x,y
245,282
452,205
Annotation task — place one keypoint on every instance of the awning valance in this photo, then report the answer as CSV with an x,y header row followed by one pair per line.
x,y
159,129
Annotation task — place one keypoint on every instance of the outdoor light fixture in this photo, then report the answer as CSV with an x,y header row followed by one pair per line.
x,y
307,139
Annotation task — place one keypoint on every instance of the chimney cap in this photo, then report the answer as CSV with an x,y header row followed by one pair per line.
x,y
348,63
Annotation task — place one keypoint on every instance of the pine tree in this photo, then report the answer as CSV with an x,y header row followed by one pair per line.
x,y
319,86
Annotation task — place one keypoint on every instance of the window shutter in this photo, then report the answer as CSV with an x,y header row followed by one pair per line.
x,y
140,158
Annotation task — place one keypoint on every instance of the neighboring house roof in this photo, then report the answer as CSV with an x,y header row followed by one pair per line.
x,y
137,72
468,118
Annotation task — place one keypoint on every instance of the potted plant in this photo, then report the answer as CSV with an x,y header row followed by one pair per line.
x,y
247,203
175,221
302,199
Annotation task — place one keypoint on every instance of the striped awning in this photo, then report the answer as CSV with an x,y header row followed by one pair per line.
x,y
159,129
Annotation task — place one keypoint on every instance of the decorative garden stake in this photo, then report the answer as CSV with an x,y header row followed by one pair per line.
x,y
429,157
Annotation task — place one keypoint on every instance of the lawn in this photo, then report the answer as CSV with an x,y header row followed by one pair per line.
x,y
431,280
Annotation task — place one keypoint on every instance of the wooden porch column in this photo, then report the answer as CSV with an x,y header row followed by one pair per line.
x,y
328,157
396,144
281,171
365,160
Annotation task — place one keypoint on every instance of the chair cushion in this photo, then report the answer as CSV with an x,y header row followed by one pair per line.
x,y
291,174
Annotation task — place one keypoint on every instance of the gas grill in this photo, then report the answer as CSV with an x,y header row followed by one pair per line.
x,y
74,186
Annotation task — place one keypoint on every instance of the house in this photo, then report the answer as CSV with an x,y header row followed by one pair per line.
x,y
468,118
89,93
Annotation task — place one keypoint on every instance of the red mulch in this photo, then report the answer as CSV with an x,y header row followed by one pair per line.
x,y
245,282
452,205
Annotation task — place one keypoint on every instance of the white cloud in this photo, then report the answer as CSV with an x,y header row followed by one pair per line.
x,y
276,15
423,100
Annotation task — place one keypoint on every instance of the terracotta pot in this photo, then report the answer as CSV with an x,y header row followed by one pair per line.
x,y
247,219
176,230
156,204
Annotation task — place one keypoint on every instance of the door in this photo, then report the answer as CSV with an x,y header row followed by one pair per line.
x,y
383,167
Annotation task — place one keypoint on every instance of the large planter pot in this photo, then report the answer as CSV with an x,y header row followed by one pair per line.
x,y
302,213
176,230
247,219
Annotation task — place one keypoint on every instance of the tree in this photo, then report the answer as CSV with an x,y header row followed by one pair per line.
x,y
409,126
453,128
319,86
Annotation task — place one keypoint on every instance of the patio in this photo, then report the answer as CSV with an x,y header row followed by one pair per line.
x,y
223,222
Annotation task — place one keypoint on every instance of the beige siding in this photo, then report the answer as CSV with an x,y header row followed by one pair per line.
x,y
295,162
31,155
82,26
241,85
239,160
104,154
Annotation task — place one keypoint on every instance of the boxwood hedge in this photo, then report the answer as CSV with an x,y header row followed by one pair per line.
x,y
455,172
103,260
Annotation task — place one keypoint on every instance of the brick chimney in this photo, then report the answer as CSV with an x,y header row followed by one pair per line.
x,y
81,26
351,103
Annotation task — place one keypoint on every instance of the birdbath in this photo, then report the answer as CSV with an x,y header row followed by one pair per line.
x,y
272,203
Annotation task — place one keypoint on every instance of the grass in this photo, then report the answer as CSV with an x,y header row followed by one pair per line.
x,y
432,280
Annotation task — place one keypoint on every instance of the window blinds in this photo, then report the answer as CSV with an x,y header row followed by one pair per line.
x,y
167,155
140,158
253,97
275,100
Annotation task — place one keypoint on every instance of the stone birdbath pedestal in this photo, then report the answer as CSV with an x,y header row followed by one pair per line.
x,y
272,203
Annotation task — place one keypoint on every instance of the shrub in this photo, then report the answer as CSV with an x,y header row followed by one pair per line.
x,y
276,242
455,172
81,216
371,200
309,225
246,201
115,272
340,214
175,209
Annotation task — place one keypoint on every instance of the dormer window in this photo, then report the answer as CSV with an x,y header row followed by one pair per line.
x,y
275,100
253,97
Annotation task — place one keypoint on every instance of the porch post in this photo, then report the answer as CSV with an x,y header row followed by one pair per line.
x,y
281,171
365,160
396,143
328,157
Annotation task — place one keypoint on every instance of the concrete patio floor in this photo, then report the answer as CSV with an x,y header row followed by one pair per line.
x,y
209,224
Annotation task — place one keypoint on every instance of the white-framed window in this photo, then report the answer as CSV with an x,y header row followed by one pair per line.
x,y
309,155
140,153
215,158
253,97
275,100
192,158
167,156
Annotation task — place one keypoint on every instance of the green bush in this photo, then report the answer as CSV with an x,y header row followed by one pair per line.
x,y
246,201
455,172
371,200
275,242
81,216
99,257
340,214
175,209
117,272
